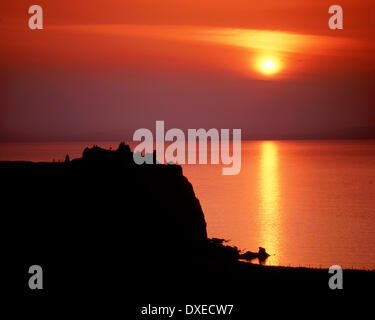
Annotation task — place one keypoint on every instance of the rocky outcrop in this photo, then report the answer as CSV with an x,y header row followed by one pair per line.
x,y
104,205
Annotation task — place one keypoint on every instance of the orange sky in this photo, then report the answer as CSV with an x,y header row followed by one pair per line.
x,y
290,15
193,42
78,31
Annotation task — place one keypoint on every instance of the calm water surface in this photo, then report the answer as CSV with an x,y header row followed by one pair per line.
x,y
308,203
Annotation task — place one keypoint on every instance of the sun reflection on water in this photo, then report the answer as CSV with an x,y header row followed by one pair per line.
x,y
269,214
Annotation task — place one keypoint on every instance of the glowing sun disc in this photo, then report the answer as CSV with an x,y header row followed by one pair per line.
x,y
268,66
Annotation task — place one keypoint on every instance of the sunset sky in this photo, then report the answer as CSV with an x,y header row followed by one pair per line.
x,y
100,69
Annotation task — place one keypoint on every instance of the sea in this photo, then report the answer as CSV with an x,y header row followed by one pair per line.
x,y
308,203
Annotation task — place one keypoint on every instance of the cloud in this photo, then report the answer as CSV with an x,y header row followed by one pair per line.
x,y
252,39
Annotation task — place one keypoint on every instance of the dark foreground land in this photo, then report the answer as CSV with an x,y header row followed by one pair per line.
x,y
112,236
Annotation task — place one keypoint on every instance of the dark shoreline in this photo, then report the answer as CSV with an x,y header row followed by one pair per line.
x,y
101,226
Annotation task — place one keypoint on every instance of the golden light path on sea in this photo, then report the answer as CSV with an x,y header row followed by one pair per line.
x,y
269,213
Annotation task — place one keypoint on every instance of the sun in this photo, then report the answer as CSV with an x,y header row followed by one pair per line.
x,y
268,65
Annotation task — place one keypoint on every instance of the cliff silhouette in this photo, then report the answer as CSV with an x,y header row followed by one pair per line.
x,y
152,206
102,223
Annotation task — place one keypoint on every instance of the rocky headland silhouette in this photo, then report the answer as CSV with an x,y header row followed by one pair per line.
x,y
157,199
